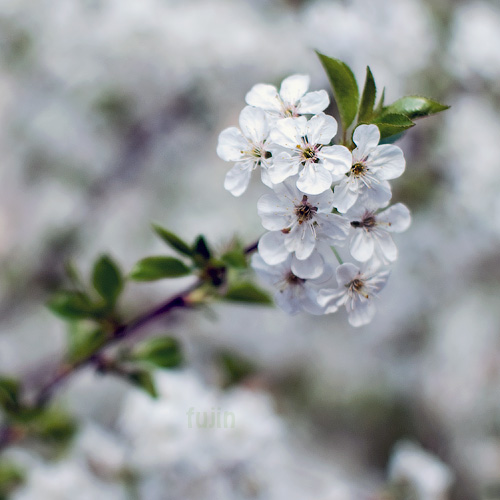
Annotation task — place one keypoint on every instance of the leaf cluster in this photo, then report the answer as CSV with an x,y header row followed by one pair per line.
x,y
357,108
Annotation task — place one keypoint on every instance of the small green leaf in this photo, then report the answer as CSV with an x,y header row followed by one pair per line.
x,y
392,124
345,88
11,477
235,258
9,393
84,340
368,98
173,240
54,426
107,279
144,380
201,248
380,106
235,368
73,305
156,268
163,352
414,107
246,291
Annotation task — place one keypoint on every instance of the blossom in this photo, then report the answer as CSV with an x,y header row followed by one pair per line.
x,y
306,152
356,291
372,166
372,232
292,99
298,222
293,294
247,148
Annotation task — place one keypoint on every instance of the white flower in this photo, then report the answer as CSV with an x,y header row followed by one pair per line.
x,y
356,291
293,294
247,148
306,151
372,166
298,222
371,232
292,99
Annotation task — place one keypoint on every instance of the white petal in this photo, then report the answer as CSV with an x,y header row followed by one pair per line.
x,y
272,248
238,178
288,132
300,240
309,268
253,124
344,196
232,144
264,175
321,129
323,201
293,88
284,166
290,299
268,273
377,195
366,137
332,227
331,298
387,245
346,273
314,179
275,212
362,245
264,96
337,159
396,219
362,312
389,159
313,102
310,301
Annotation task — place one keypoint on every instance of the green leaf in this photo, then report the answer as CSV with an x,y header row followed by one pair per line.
x,y
11,477
54,426
201,248
246,291
156,268
107,279
9,393
235,368
368,98
414,107
163,352
74,305
380,106
345,88
235,258
173,240
144,380
392,124
84,340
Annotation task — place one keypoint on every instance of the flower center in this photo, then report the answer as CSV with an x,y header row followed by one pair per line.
x,y
358,169
357,286
291,279
368,221
304,210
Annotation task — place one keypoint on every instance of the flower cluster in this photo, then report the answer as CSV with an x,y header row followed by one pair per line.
x,y
324,196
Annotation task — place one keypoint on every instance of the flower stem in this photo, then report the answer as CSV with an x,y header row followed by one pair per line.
x,y
337,255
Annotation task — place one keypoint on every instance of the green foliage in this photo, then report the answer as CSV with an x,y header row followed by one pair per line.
x,y
235,368
415,107
344,86
144,380
173,241
84,339
235,257
245,291
161,352
392,120
54,427
201,250
11,477
70,304
9,394
392,124
367,103
159,267
107,279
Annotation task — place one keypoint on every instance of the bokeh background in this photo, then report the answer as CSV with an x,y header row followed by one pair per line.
x,y
110,112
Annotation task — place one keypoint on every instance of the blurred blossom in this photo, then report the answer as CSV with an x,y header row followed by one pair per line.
x,y
430,477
